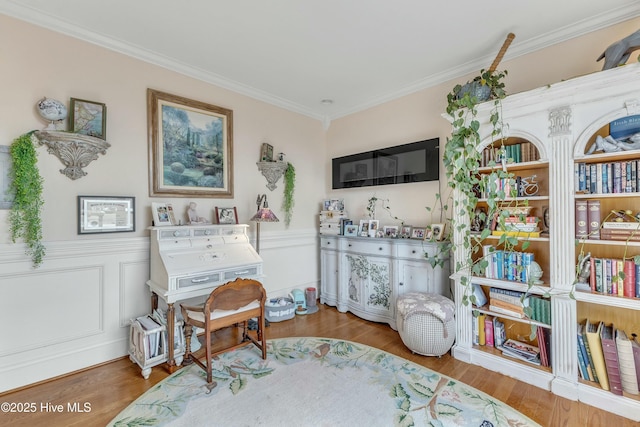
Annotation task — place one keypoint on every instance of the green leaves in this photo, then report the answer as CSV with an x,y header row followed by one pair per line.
x,y
26,185
289,187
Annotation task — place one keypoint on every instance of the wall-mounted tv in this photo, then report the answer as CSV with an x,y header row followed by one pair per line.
x,y
413,162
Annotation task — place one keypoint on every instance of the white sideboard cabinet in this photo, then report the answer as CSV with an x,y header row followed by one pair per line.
x,y
365,275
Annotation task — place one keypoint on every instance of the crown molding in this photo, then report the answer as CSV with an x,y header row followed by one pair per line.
x,y
34,16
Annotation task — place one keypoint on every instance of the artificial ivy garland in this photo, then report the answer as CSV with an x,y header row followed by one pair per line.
x,y
26,186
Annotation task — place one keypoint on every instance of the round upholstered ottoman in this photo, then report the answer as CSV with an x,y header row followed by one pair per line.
x,y
426,322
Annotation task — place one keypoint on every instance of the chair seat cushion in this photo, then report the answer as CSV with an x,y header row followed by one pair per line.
x,y
198,316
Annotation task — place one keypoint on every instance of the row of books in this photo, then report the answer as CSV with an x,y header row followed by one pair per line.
x,y
507,265
490,331
514,303
512,187
608,357
614,277
607,178
516,153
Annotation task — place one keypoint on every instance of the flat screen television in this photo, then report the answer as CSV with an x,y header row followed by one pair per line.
x,y
413,162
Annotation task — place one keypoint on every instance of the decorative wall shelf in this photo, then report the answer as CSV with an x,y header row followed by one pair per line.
x,y
74,150
272,171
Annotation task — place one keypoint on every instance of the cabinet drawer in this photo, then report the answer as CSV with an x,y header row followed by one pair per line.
x,y
241,272
328,243
374,247
203,280
412,251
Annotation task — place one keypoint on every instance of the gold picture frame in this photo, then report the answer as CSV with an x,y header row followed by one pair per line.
x,y
190,147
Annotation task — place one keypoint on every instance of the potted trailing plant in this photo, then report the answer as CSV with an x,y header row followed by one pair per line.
x,y
26,186
289,188
461,160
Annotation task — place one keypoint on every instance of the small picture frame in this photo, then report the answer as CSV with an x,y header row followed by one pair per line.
x,y
405,232
266,152
418,233
438,231
334,205
105,214
162,214
351,230
88,118
364,228
374,226
226,215
391,231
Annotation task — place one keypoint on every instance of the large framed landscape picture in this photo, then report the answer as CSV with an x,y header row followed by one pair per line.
x,y
190,147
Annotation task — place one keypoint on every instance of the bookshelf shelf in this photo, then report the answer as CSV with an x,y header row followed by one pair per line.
x,y
562,121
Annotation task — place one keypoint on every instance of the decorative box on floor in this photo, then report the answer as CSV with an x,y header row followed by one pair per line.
x,y
426,322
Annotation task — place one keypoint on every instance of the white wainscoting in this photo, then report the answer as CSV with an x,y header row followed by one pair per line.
x,y
74,310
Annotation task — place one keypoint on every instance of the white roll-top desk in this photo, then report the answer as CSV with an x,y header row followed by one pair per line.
x,y
191,260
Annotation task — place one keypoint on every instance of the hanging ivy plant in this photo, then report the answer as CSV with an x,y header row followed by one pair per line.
x,y
289,187
26,186
461,160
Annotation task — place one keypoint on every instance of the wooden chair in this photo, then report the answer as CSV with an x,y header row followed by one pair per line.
x,y
231,304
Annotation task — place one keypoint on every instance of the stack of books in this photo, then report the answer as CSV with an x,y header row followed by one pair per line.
x,y
612,230
520,226
522,351
507,302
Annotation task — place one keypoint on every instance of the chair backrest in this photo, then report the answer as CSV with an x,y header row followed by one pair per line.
x,y
236,294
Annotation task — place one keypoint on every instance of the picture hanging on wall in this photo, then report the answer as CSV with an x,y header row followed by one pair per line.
x,y
191,147
88,118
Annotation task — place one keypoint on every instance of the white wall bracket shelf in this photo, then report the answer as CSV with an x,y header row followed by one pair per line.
x,y
74,150
272,171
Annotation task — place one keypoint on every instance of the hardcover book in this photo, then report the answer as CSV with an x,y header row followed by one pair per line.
x,y
585,340
628,373
635,346
582,224
597,356
610,353
593,216
488,331
582,354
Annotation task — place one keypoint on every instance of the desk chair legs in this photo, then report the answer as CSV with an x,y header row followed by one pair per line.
x,y
232,304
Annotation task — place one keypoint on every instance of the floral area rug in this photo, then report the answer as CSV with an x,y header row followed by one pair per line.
x,y
316,382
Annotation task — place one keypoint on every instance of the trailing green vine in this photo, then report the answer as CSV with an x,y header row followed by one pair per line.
x,y
461,160
26,185
289,187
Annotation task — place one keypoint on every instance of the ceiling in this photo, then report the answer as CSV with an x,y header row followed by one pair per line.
x,y
297,53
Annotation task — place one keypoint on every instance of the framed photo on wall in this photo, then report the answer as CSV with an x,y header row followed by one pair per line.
x,y
88,118
190,147
226,215
104,214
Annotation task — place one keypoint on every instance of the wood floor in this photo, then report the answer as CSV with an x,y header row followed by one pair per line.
x,y
109,388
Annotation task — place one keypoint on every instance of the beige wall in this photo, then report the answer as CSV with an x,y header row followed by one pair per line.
x,y
418,116
90,286
37,63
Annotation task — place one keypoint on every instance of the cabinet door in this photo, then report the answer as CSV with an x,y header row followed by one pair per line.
x,y
368,281
329,277
415,277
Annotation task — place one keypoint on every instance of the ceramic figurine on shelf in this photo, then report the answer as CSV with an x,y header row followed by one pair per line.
x,y
584,272
618,53
52,111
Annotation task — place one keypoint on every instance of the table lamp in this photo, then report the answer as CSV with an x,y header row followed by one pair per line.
x,y
263,214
